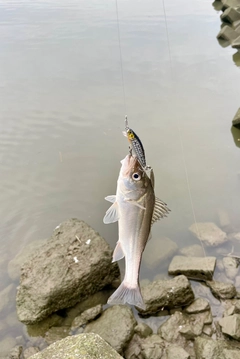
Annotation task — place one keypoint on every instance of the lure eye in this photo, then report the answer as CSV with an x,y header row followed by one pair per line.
x,y
136,176
130,135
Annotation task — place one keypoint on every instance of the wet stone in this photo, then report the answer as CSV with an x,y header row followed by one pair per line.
x,y
152,347
231,326
231,354
208,330
230,3
87,346
30,351
86,316
230,15
208,348
222,290
166,294
143,330
199,305
158,251
227,33
6,345
230,266
209,233
194,267
115,325
177,352
16,352
134,348
170,330
75,263
56,333
192,251
236,119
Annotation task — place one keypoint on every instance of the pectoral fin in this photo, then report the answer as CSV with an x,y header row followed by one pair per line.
x,y
111,198
118,252
135,203
111,215
160,210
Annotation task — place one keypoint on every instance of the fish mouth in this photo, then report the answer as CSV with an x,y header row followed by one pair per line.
x,y
129,165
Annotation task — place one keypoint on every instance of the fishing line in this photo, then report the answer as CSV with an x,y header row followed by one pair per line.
x,y
180,135
120,55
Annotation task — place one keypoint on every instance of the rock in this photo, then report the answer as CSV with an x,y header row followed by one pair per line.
x,y
170,330
208,233
134,348
230,15
208,330
227,33
67,270
237,282
208,348
152,347
236,24
231,354
223,217
16,352
199,305
236,119
30,351
143,330
6,297
115,325
192,251
222,290
7,345
177,352
14,266
167,294
40,328
86,316
158,251
82,346
194,267
230,3
231,267
56,333
231,326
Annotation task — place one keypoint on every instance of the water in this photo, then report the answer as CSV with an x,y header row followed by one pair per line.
x,y
62,113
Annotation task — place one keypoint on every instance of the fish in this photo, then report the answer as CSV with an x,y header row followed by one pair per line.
x,y
136,208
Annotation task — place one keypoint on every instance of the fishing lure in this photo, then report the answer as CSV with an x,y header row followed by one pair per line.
x,y
136,145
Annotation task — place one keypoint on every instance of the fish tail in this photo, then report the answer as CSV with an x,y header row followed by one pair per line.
x,y
125,294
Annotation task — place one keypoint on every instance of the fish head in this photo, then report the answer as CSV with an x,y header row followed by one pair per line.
x,y
132,175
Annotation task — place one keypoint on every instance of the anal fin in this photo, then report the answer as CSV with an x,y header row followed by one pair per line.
x,y
117,253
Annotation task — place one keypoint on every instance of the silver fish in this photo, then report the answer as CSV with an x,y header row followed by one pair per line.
x,y
136,208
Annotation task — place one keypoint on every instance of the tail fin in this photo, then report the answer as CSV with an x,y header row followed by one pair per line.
x,y
124,294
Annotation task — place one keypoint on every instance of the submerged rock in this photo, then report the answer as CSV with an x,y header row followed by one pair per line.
x,y
82,346
231,267
194,250
231,326
168,294
152,347
115,325
74,263
208,233
86,316
222,290
158,251
30,351
143,330
236,120
193,267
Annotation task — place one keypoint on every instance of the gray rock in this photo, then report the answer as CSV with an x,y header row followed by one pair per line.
x,y
168,294
143,330
40,328
230,266
153,347
194,250
194,267
208,233
7,345
231,354
170,330
177,352
82,346
16,352
199,305
115,325
30,351
14,266
56,333
158,251
73,264
230,15
208,348
222,290
227,33
236,119
6,297
86,316
237,282
208,330
236,24
231,326
134,348
230,3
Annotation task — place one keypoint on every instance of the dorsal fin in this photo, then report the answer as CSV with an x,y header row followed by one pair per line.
x,y
160,210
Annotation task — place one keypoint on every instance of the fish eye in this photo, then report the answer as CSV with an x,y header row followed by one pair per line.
x,y
136,176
